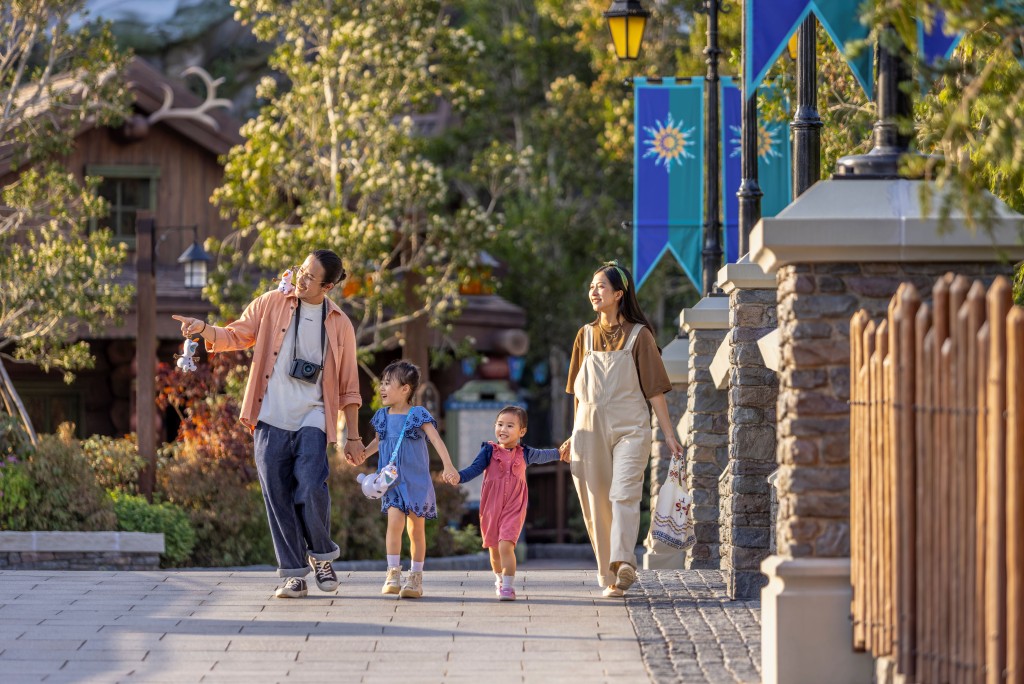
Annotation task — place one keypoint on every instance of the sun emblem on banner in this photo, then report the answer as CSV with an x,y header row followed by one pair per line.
x,y
668,142
768,139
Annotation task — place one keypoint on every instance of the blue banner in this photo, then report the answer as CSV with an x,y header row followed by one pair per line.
x,y
770,23
774,165
668,177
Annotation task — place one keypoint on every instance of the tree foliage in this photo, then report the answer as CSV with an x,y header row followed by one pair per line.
x,y
56,278
334,160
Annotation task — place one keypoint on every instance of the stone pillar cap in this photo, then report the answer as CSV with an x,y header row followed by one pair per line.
x,y
771,350
878,221
676,356
710,313
744,275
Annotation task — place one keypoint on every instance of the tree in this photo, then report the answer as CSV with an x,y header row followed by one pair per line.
x,y
334,160
56,278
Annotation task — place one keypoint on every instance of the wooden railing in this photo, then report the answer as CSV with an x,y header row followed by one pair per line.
x,y
937,483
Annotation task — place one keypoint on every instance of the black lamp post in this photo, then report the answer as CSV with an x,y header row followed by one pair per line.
x,y
621,11
750,191
806,124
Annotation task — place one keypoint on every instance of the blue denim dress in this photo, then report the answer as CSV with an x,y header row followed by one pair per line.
x,y
413,493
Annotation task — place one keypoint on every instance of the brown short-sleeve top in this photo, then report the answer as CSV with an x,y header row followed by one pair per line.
x,y
650,368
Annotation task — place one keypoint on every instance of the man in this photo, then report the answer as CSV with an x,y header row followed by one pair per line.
x,y
303,372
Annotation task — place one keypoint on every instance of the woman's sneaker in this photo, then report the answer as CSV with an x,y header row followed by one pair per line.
x,y
506,594
625,576
326,578
413,587
393,582
293,587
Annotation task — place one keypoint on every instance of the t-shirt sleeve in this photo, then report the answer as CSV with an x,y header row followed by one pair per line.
x,y
650,368
575,362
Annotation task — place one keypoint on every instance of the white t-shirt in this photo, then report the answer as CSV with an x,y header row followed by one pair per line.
x,y
291,404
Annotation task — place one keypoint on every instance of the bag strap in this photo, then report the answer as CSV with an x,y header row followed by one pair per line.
x,y
401,435
323,333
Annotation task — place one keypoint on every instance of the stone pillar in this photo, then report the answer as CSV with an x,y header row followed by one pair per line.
x,y
676,358
843,245
707,438
745,493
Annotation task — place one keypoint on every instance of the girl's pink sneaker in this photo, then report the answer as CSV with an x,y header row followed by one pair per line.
x,y
506,594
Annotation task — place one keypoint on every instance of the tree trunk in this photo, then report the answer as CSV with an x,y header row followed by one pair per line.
x,y
14,405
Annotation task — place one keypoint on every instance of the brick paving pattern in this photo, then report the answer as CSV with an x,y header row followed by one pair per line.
x,y
225,626
691,632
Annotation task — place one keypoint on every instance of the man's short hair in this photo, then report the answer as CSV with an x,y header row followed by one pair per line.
x,y
334,271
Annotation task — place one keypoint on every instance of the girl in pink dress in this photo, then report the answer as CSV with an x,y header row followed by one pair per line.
x,y
503,495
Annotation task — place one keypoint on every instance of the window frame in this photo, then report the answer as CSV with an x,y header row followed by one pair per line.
x,y
126,172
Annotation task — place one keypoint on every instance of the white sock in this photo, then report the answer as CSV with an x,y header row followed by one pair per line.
x,y
506,581
497,579
417,566
394,561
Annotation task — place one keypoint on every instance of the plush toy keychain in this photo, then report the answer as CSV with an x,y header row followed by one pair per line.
x,y
186,359
285,285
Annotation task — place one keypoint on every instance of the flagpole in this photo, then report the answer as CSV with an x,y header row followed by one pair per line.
x,y
712,252
806,124
750,191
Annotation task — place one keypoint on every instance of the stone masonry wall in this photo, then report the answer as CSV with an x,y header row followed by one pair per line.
x,y
744,492
815,303
78,560
707,445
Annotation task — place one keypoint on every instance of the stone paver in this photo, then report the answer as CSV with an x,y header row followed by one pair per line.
x,y
225,626
690,631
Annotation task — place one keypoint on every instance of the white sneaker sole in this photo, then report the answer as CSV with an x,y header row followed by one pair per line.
x,y
625,577
285,594
390,589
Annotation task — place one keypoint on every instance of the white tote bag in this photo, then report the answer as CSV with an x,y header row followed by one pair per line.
x,y
671,521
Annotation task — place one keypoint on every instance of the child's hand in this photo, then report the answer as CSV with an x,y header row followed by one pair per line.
x,y
564,452
451,476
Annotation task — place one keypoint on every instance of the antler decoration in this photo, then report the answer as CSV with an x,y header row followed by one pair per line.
x,y
196,113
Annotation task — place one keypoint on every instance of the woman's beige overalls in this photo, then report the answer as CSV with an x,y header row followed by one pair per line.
x,y
611,444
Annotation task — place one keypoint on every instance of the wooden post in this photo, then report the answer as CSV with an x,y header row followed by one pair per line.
x,y
981,509
975,318
145,348
906,569
857,466
999,301
1015,497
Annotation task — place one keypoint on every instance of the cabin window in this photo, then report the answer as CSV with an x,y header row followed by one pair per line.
x,y
50,405
127,190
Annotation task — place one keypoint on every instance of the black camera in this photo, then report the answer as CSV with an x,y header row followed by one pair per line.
x,y
306,371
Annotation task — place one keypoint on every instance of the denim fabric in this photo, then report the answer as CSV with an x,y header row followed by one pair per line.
x,y
293,471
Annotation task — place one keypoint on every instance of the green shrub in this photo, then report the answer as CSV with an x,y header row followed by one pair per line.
x,y
15,485
115,461
135,514
64,492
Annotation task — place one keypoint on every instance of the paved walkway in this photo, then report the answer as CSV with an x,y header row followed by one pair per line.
x,y
224,626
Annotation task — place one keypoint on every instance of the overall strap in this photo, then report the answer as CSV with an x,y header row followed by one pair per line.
x,y
588,338
401,435
633,334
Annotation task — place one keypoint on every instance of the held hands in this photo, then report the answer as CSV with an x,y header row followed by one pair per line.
x,y
451,476
564,452
355,452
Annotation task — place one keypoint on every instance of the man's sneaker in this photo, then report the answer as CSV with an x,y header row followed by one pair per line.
x,y
625,576
393,582
326,578
413,587
293,587
506,594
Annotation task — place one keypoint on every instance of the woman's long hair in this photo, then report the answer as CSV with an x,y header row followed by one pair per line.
x,y
622,281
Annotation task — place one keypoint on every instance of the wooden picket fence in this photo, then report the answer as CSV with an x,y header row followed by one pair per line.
x,y
937,483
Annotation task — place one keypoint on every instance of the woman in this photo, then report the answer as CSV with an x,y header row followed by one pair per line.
x,y
616,370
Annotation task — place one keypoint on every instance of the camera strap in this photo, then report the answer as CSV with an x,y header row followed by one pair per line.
x,y
323,332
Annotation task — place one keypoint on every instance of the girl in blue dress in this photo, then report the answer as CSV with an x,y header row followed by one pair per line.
x,y
401,428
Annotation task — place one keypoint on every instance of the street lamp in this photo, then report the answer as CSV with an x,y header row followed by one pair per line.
x,y
626,22
195,259
621,12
